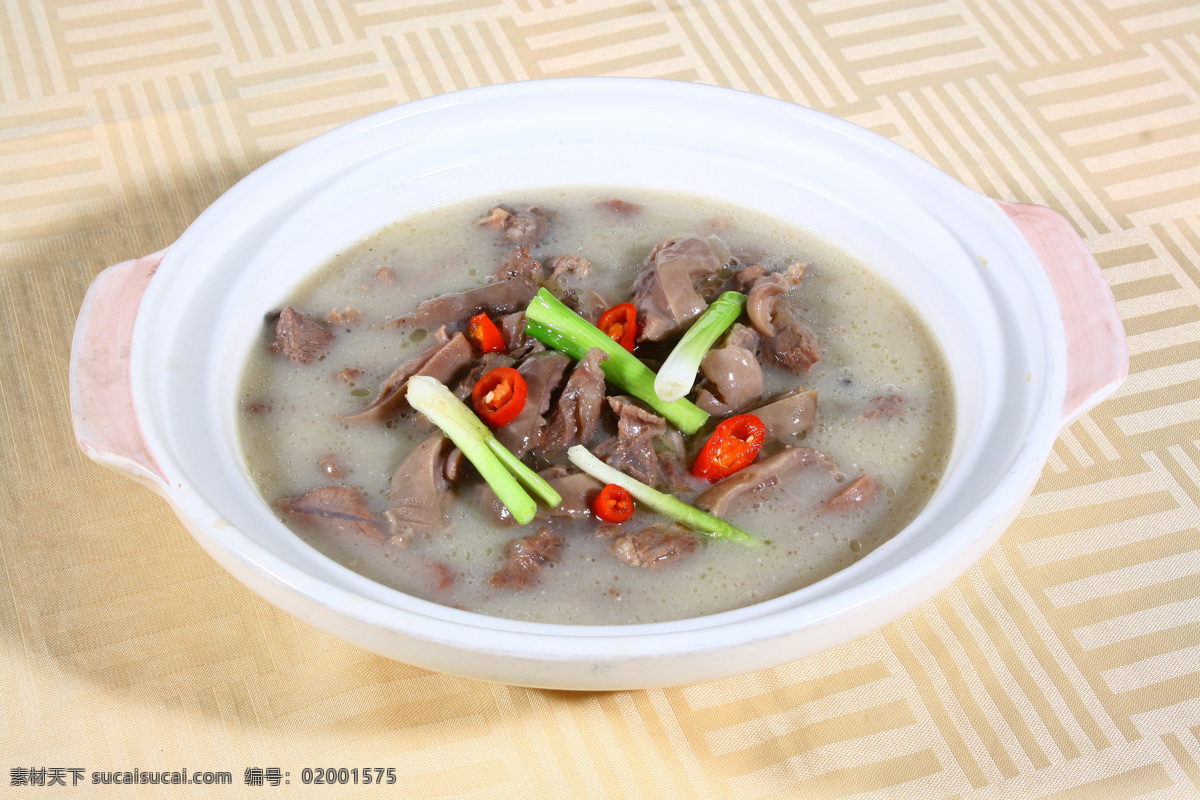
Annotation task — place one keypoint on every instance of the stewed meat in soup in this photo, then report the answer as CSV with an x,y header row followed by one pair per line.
x,y
846,380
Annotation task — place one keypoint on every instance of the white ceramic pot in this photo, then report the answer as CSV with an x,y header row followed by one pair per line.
x,y
1026,320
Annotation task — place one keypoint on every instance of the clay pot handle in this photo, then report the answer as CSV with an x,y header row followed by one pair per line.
x,y
1097,355
106,425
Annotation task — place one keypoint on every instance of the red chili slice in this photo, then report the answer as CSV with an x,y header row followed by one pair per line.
x,y
484,333
499,396
613,504
733,446
619,323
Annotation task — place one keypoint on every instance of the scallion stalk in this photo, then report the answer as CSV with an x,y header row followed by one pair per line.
x,y
678,373
665,504
555,325
502,470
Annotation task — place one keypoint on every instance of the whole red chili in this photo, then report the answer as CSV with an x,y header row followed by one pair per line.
x,y
619,323
499,396
484,333
733,446
613,504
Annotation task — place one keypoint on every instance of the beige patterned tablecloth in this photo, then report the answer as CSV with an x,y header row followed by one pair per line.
x,y
1066,664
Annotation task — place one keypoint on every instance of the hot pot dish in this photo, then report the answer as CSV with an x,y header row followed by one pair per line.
x,y
661,384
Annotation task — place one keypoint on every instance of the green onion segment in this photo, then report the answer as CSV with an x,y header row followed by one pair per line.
x,y
502,470
555,325
665,504
678,373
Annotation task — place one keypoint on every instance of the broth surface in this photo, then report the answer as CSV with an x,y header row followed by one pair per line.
x,y
872,345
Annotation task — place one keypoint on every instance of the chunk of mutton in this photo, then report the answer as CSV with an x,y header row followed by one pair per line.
x,y
734,374
579,405
786,342
568,282
762,301
445,361
858,493
543,373
793,347
298,338
653,547
789,416
632,450
622,208
518,263
526,227
525,557
665,292
454,309
333,509
420,493
885,406
760,475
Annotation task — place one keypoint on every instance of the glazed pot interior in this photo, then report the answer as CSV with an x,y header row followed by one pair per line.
x,y
944,247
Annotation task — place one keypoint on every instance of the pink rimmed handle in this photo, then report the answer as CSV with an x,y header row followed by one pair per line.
x,y
1097,353
106,425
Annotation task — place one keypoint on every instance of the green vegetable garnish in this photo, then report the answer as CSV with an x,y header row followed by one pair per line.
x,y
665,504
555,325
678,372
502,470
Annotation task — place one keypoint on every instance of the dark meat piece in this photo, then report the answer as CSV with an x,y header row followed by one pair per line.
x,y
259,406
568,266
665,292
298,338
653,547
620,207
568,282
793,346
789,415
517,263
520,345
525,557
420,492
333,509
578,491
584,302
350,375
673,473
579,405
501,297
331,466
745,277
543,372
385,275
444,361
734,278
762,302
350,316
518,227
735,378
892,405
760,475
632,451
786,343
512,327
860,492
